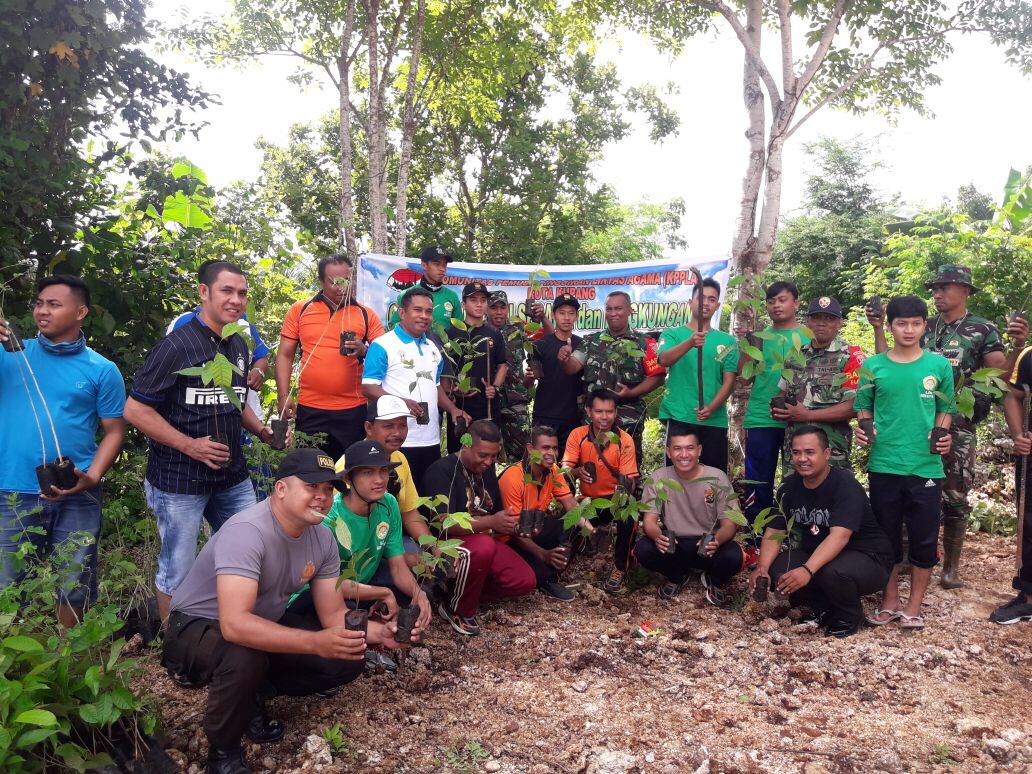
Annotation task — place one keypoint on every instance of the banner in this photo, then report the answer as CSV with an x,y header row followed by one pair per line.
x,y
660,290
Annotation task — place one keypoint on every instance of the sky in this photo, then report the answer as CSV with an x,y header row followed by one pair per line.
x,y
982,112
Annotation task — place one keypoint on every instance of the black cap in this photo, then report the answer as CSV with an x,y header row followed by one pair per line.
x,y
313,466
825,305
474,287
497,297
366,454
565,299
434,253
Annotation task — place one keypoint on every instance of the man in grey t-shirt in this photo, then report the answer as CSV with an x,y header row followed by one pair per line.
x,y
688,503
229,626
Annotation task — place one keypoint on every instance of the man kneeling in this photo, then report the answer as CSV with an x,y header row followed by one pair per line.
x,y
229,627
843,553
696,509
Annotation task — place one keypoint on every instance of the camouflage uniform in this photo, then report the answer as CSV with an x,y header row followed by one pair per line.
x,y
829,377
632,358
514,415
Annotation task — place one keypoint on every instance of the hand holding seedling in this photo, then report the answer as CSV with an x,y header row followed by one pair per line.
x,y
86,481
459,413
287,409
5,330
584,475
356,347
504,522
622,391
338,642
944,444
537,311
1017,330
875,315
711,547
793,580
555,557
756,574
205,450
861,435
795,412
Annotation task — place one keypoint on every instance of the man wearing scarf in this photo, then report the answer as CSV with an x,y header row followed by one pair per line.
x,y
54,390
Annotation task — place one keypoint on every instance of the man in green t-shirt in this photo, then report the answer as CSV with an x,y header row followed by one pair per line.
x,y
434,261
366,521
908,393
679,354
765,435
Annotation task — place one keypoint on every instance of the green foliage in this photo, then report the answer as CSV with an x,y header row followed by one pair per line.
x,y
993,518
336,739
462,758
942,755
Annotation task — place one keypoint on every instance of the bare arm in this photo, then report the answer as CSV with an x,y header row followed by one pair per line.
x,y
829,548
648,385
285,353
149,422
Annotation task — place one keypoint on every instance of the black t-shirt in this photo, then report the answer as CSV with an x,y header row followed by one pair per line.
x,y
466,492
1021,376
840,501
486,339
557,392
193,408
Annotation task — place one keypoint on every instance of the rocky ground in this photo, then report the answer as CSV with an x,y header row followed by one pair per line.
x,y
566,687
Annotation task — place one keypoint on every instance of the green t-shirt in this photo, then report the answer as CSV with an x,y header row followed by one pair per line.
x,y
681,398
446,306
373,537
765,383
904,403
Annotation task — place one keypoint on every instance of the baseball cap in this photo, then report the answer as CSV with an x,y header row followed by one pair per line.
x,y
388,407
497,297
365,454
474,287
565,299
434,253
313,466
825,305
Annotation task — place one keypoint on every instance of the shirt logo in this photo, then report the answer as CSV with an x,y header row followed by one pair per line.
x,y
325,462
721,349
381,531
710,496
209,396
448,306
930,483
930,383
307,573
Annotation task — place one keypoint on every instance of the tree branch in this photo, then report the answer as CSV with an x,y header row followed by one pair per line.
x,y
788,79
392,46
823,47
751,51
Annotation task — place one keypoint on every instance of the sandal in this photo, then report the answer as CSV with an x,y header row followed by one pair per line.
x,y
911,621
876,620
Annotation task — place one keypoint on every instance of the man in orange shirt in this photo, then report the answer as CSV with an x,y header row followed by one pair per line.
x,y
533,485
603,464
333,331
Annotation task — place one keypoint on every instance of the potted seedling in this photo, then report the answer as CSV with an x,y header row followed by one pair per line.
x,y
462,352
754,532
356,619
413,388
985,382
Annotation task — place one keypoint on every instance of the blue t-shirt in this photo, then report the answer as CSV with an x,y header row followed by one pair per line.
x,y
79,389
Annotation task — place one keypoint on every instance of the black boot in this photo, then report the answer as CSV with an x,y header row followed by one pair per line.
x,y
952,542
262,729
227,762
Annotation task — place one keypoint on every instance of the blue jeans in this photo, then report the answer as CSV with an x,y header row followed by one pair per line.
x,y
179,524
62,522
763,447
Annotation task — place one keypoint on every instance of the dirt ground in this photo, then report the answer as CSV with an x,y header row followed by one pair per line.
x,y
565,687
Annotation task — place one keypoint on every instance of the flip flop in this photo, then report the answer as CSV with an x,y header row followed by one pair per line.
x,y
911,621
873,619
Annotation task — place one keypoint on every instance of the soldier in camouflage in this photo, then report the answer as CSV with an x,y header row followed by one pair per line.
x,y
514,415
821,391
970,343
620,359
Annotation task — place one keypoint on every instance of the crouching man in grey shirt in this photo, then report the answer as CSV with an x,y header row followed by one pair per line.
x,y
229,626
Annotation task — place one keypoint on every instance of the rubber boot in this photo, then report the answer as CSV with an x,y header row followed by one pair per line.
x,y
952,542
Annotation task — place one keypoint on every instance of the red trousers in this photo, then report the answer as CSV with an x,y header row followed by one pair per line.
x,y
487,569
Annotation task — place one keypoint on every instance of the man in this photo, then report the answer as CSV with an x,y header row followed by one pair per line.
x,y
330,399
434,261
843,554
555,401
514,399
603,466
534,484
622,360
372,521
696,505
230,626
765,435
476,362
679,354
191,471
908,394
820,392
56,413
406,364
1020,608
486,569
970,343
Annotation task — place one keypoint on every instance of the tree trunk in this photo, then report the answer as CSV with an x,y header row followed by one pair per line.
x,y
347,199
408,130
377,134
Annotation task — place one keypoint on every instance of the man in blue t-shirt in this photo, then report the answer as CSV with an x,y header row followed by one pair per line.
x,y
53,392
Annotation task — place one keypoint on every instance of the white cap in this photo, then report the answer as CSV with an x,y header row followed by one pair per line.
x,y
391,407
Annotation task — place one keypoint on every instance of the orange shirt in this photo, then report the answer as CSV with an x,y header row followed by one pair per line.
x,y
580,449
520,495
328,379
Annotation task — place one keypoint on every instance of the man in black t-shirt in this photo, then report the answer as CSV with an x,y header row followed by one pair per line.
x,y
843,554
555,403
196,466
476,362
1019,608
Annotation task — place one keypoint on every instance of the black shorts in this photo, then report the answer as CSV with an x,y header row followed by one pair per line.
x,y
914,501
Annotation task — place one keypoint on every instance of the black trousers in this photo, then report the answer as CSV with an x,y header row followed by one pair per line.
x,y
720,567
713,440
549,537
194,647
419,459
625,532
914,501
343,427
838,586
1023,579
